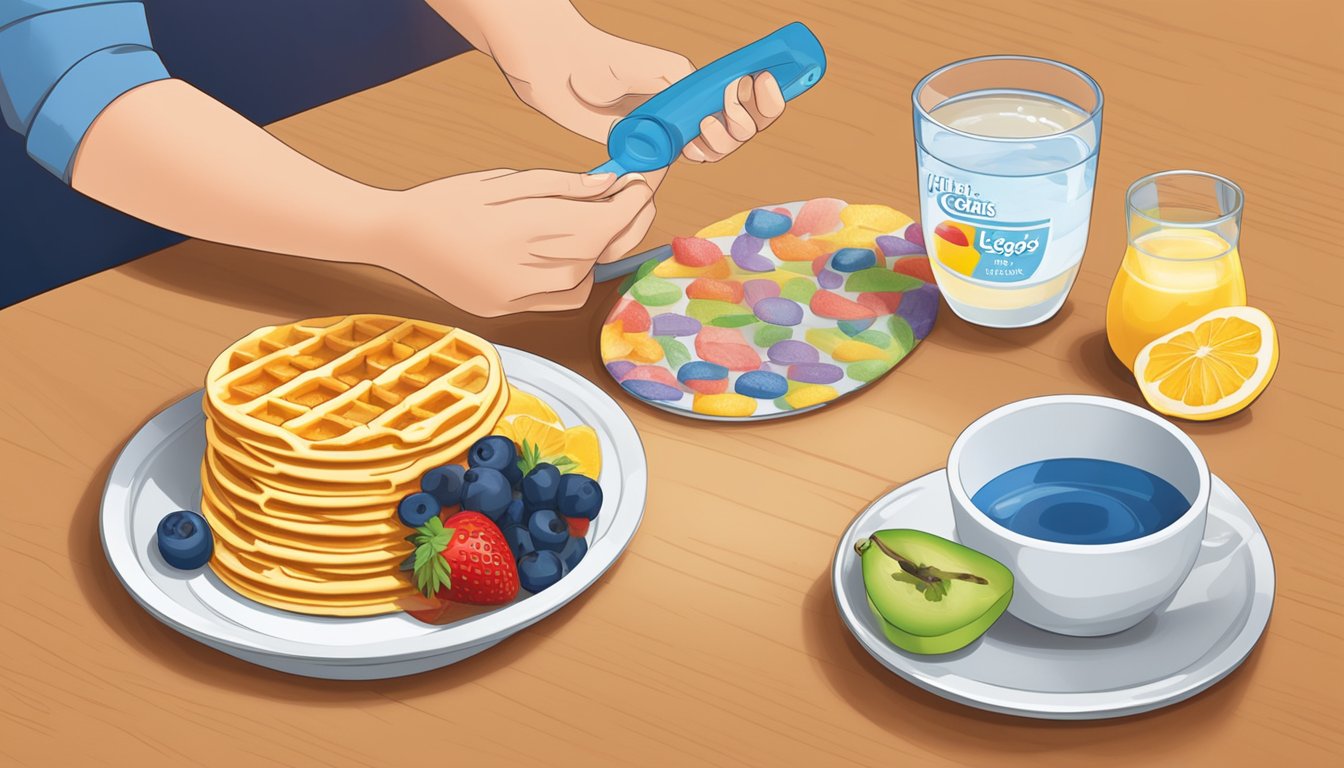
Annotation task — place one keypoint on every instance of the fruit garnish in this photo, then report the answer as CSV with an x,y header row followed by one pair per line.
x,y
548,530
1211,368
432,572
578,496
527,404
465,560
582,446
933,582
530,458
492,451
444,483
487,491
578,526
540,569
184,540
416,509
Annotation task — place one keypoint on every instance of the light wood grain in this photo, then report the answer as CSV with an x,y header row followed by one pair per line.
x,y
714,641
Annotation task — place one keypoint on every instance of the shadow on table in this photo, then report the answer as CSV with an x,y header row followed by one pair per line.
x,y
915,715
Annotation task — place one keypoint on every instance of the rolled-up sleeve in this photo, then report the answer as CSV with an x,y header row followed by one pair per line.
x,y
62,62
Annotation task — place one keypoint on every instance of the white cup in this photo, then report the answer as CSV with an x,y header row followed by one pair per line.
x,y
1081,589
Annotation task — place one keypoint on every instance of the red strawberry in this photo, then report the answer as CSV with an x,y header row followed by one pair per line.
x,y
464,559
578,526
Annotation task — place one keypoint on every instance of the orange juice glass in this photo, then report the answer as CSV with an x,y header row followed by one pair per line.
x,y
1182,261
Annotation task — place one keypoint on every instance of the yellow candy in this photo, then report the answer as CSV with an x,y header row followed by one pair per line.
x,y
644,348
852,351
826,339
878,218
726,404
850,237
728,227
673,268
812,394
614,343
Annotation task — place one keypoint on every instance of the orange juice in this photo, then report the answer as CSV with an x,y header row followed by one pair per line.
x,y
1170,276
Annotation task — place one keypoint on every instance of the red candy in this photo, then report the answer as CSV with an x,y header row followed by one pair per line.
x,y
721,290
837,307
695,251
883,303
818,216
819,263
726,347
914,266
633,316
707,386
652,373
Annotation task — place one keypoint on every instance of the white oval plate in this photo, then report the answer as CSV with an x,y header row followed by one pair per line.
x,y
1205,632
159,471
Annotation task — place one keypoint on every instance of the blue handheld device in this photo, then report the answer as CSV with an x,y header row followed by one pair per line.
x,y
654,134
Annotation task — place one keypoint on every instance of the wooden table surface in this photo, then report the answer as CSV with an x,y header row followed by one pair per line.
x,y
714,640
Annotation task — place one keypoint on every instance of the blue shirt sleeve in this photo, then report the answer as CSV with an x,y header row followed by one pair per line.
x,y
62,62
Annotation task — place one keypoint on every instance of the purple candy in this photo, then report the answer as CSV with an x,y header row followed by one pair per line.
x,y
746,253
816,373
919,308
789,352
777,311
830,280
651,390
673,324
893,246
915,234
619,368
756,290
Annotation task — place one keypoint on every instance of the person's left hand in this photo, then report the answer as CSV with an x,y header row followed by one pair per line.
x,y
586,80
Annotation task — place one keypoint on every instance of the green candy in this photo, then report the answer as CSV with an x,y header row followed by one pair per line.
x,y
825,339
868,370
654,291
797,267
876,338
783,404
879,280
799,290
768,335
676,352
639,274
707,310
902,332
733,321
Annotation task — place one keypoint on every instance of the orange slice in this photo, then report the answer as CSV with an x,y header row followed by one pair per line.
x,y
581,445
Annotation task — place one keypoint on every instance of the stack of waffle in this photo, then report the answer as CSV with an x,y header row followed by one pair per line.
x,y
314,431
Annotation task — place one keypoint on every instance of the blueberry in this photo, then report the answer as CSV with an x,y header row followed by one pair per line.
x,y
445,484
573,552
514,475
514,514
486,491
185,540
540,486
495,452
539,570
416,509
578,496
549,530
520,541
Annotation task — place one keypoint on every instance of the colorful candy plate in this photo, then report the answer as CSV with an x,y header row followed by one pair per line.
x,y
775,311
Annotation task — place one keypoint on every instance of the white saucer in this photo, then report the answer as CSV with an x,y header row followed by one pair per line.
x,y
1207,629
159,471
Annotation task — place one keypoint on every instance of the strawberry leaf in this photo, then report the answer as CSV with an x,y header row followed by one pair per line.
x,y
431,571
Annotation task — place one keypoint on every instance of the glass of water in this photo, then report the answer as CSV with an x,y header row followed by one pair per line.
x,y
1007,153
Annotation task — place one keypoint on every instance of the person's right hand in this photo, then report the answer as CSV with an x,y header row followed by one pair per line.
x,y
503,241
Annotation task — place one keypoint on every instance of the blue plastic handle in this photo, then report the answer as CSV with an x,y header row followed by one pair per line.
x,y
653,135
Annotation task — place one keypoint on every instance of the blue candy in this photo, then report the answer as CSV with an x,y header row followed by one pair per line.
x,y
699,370
767,224
762,385
651,390
853,259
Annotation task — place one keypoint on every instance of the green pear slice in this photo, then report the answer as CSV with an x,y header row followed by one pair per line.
x,y
931,595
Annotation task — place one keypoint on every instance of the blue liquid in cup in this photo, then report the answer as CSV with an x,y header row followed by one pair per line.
x,y
1081,501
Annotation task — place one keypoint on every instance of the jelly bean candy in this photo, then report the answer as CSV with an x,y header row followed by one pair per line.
x,y
651,390
729,405
853,351
855,327
920,309
746,253
880,280
830,280
613,342
882,303
619,368
768,335
729,226
706,310
726,347
798,268
876,338
652,373
879,218
755,290
901,332
719,290
915,234
701,370
643,348
632,316
790,352
779,311
673,324
820,263
837,307
825,339
767,224
895,247
815,373
914,266
818,216
853,259
799,290
849,237
655,292
793,248
732,321
868,370
762,385
676,353
672,268
639,274
805,397
695,251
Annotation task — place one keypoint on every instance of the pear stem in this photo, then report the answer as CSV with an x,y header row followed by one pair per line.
x,y
921,572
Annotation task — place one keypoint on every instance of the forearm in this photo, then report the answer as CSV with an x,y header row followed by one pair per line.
x,y
173,156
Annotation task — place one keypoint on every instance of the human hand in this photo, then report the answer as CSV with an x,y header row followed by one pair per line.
x,y
503,241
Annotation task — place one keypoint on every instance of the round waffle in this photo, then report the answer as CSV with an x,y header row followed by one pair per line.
x,y
314,431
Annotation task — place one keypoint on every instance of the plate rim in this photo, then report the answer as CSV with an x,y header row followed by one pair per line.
x,y
1202,674
118,496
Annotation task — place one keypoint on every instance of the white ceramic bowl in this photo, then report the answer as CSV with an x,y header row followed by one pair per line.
x,y
1081,589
